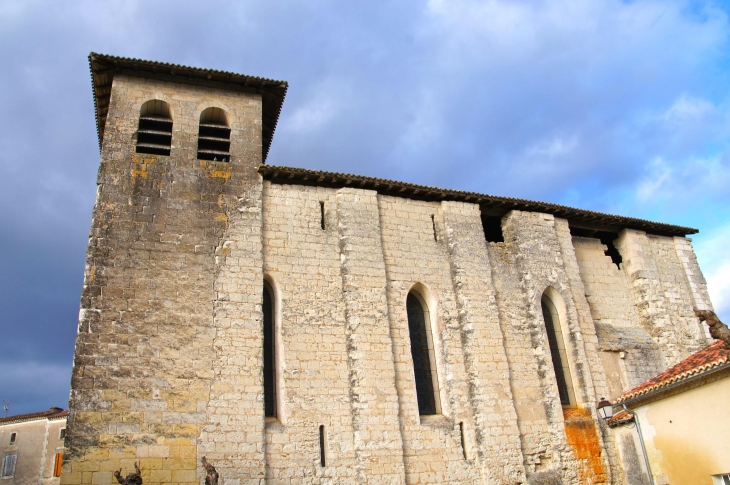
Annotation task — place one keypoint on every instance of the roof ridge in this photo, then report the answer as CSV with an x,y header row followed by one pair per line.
x,y
273,172
54,412
180,66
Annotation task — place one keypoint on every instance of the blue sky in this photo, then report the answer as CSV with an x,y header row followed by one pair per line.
x,y
620,107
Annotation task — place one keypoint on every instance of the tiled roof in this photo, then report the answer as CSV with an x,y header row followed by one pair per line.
x,y
621,417
62,414
52,413
710,358
104,67
490,204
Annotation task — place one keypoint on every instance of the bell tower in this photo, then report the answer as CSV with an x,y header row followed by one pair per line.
x,y
173,273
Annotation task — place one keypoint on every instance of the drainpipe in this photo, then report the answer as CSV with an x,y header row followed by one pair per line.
x,y
641,440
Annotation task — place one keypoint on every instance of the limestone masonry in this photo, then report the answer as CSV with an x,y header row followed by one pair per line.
x,y
304,327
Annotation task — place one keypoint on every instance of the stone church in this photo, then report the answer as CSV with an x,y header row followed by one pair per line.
x,y
303,327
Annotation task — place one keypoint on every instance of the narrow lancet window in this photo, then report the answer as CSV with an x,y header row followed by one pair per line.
x,y
214,136
423,355
558,352
154,135
269,353
322,447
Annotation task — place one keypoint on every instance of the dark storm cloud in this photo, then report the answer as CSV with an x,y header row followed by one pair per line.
x,y
603,104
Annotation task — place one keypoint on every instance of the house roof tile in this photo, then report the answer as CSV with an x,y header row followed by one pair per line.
x,y
710,358
52,413
621,417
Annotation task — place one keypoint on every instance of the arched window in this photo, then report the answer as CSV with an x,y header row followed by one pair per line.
x,y
154,134
269,352
214,136
422,353
558,351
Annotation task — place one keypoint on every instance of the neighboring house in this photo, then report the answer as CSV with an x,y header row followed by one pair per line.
x,y
683,419
32,447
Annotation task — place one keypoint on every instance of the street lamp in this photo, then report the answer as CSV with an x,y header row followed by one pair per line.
x,y
604,408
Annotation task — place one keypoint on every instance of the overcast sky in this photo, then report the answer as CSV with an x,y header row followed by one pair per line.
x,y
620,107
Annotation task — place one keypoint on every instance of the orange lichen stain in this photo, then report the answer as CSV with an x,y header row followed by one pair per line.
x,y
216,169
140,167
582,437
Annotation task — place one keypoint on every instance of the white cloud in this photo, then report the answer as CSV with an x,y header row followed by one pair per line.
x,y
683,180
593,32
554,147
311,116
659,173
320,106
688,109
713,254
13,10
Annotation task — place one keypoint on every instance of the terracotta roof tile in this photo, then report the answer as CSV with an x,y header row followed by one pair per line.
x,y
52,413
714,355
621,417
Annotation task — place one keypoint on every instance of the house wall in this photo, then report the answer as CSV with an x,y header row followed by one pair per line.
x,y
686,434
168,362
53,444
36,445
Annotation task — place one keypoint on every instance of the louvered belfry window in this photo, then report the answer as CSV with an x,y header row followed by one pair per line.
x,y
154,135
422,354
214,136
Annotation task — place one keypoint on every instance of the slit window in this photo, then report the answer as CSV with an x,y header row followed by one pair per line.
x,y
321,214
433,224
558,352
269,353
154,135
463,440
423,355
322,453
214,136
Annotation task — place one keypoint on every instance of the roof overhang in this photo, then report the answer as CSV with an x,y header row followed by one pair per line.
x,y
104,68
677,387
489,204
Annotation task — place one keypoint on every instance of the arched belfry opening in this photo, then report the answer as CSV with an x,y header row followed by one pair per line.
x,y
214,136
269,311
558,347
154,134
423,355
